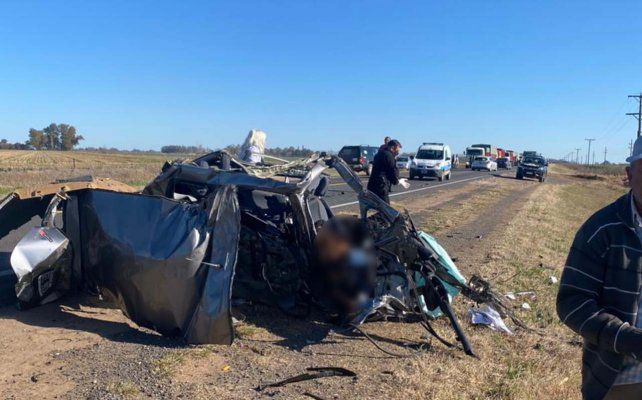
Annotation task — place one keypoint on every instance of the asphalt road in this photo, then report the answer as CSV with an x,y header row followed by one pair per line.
x,y
339,196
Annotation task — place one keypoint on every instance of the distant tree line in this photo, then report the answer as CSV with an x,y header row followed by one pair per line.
x,y
5,145
234,150
276,151
54,137
174,148
115,150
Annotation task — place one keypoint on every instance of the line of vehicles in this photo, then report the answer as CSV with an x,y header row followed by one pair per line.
x,y
436,160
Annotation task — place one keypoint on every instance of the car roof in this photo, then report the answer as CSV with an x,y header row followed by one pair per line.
x,y
436,146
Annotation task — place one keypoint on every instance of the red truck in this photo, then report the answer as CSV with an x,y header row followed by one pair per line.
x,y
501,153
511,155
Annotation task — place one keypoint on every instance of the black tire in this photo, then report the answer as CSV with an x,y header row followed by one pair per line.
x,y
448,176
411,177
369,169
520,176
440,178
541,179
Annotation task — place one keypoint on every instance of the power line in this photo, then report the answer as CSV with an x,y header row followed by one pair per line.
x,y
588,152
638,114
610,125
577,156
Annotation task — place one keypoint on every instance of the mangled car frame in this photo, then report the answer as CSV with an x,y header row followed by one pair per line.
x,y
174,255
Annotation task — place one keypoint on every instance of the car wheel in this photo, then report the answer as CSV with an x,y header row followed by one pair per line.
x,y
440,178
448,176
411,177
541,179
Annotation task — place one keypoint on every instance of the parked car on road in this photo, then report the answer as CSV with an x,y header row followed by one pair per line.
x,y
504,162
533,167
432,159
403,162
483,163
359,158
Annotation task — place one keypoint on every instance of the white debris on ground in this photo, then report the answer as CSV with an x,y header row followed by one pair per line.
x,y
486,315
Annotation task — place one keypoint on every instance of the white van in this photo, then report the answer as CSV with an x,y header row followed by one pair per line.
x,y
432,159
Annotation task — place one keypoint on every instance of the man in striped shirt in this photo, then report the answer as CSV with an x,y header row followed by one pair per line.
x,y
599,295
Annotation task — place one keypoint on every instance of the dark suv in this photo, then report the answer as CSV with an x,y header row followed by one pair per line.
x,y
359,158
534,167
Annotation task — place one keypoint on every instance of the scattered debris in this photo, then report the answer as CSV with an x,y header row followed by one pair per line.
x,y
513,296
315,373
552,280
313,396
530,294
542,265
526,306
486,315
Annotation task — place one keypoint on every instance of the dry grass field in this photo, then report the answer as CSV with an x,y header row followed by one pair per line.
x,y
513,233
19,168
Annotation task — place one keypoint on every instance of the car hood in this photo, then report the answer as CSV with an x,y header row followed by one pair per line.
x,y
428,163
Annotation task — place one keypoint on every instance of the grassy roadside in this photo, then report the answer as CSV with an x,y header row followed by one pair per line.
x,y
456,210
529,366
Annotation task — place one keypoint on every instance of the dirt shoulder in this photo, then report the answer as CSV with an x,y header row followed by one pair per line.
x,y
514,233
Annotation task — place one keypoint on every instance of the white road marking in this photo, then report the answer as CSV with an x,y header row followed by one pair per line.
x,y
415,190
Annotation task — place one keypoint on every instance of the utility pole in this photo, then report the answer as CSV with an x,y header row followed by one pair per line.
x,y
638,115
605,155
631,147
577,156
588,152
593,156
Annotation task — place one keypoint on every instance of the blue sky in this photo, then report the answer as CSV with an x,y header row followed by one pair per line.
x,y
521,75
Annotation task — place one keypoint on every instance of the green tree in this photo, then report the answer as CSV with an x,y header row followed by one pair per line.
x,y
52,137
36,139
68,137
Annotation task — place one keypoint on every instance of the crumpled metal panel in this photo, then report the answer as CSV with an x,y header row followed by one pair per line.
x,y
146,253
163,185
212,319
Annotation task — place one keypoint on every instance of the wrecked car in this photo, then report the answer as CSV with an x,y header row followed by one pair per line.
x,y
173,255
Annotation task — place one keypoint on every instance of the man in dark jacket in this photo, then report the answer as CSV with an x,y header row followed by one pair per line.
x,y
599,294
384,170
385,143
